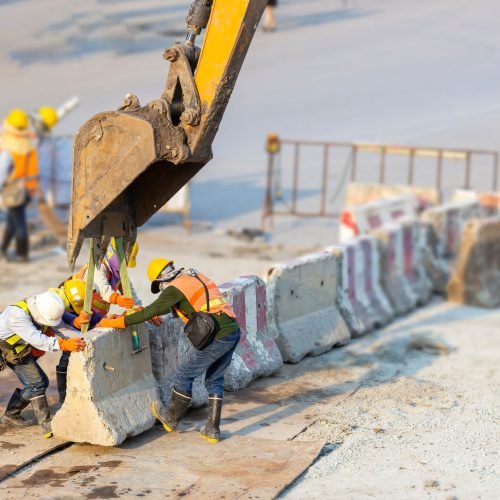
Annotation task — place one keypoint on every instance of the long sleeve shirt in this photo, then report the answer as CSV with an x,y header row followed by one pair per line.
x,y
6,164
14,321
171,297
69,317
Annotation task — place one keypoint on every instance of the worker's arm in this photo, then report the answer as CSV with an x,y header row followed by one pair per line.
x,y
162,305
20,323
5,166
101,283
137,300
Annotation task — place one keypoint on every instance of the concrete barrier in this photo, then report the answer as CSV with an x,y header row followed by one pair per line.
x,y
414,267
392,268
443,235
302,312
378,300
476,274
361,219
257,354
110,390
360,194
169,347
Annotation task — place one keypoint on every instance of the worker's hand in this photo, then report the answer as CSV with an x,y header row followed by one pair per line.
x,y
118,322
71,345
82,319
121,300
156,320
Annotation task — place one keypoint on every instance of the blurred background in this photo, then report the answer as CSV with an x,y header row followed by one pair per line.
x,y
379,72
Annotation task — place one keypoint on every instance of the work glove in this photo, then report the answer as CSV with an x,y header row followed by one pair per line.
x,y
71,345
118,322
82,319
121,300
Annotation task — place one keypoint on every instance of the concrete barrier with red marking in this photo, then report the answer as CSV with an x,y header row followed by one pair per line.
x,y
392,268
257,354
445,232
414,267
362,219
360,298
302,313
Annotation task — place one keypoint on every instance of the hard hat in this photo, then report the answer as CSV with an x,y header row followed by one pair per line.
x,y
48,116
18,119
74,290
156,266
46,308
132,260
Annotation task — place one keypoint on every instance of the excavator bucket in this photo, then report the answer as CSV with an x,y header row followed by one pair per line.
x,y
128,163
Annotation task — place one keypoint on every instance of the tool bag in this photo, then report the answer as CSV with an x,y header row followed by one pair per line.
x,y
14,194
14,352
201,327
3,361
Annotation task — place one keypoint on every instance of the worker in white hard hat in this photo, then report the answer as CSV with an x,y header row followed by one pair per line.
x,y
25,333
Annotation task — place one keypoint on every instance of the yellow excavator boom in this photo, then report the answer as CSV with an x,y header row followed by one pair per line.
x,y
128,163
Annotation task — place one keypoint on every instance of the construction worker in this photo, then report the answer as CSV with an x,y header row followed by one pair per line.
x,y
185,291
25,335
72,292
44,120
18,180
107,279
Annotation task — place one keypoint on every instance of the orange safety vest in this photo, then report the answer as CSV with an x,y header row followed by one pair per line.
x,y
195,294
25,166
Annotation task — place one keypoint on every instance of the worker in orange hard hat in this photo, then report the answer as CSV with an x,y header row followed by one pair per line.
x,y
18,180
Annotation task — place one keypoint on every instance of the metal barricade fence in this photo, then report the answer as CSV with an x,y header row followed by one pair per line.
x,y
288,159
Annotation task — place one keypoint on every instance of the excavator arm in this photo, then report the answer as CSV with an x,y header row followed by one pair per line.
x,y
128,163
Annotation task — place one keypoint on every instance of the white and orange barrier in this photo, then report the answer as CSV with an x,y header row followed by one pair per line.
x,y
302,313
362,219
257,354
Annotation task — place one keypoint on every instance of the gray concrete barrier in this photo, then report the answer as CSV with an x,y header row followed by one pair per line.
x,y
302,313
110,390
475,279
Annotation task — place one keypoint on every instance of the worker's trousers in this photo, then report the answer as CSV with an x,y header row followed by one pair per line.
x,y
214,359
17,227
33,378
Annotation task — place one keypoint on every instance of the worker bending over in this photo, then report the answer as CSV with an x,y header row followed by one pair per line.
x,y
25,335
72,293
186,292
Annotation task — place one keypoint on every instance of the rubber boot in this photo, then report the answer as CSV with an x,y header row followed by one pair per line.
x,y
62,379
170,417
22,250
211,431
13,411
42,414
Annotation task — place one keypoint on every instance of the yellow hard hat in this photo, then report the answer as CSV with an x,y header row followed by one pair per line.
x,y
156,266
48,116
18,119
75,293
132,260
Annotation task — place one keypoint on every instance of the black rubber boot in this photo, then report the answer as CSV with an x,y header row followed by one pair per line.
x,y
22,250
170,417
13,411
42,414
211,430
62,379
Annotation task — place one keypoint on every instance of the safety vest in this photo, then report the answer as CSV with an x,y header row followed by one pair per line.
x,y
195,294
17,344
25,166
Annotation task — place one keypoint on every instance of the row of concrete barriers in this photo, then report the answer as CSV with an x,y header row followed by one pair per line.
x,y
305,307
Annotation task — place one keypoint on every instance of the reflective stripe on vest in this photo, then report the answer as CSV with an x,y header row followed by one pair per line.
x,y
99,305
195,294
15,341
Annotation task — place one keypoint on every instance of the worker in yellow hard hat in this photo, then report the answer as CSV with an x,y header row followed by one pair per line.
x,y
18,180
44,120
210,324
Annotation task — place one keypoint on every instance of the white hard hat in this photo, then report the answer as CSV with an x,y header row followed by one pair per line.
x,y
46,308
